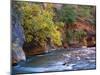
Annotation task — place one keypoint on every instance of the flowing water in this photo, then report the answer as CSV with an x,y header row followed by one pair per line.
x,y
59,60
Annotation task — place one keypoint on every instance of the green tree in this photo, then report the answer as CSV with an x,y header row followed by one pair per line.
x,y
67,14
86,13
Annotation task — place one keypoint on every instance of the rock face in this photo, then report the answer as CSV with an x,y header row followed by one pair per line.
x,y
17,39
17,53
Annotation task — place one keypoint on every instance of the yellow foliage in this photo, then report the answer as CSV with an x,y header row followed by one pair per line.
x,y
38,23
56,36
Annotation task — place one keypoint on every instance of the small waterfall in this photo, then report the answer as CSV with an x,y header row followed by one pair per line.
x,y
17,39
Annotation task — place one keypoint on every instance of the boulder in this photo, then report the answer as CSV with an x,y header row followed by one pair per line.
x,y
17,53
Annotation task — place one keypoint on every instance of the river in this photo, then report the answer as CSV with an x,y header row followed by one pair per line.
x,y
71,59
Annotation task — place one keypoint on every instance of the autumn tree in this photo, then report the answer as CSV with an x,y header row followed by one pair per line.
x,y
38,24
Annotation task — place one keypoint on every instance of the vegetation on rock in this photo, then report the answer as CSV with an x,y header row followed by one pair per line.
x,y
44,24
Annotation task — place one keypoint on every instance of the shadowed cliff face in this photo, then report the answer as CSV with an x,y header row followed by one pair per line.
x,y
17,39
